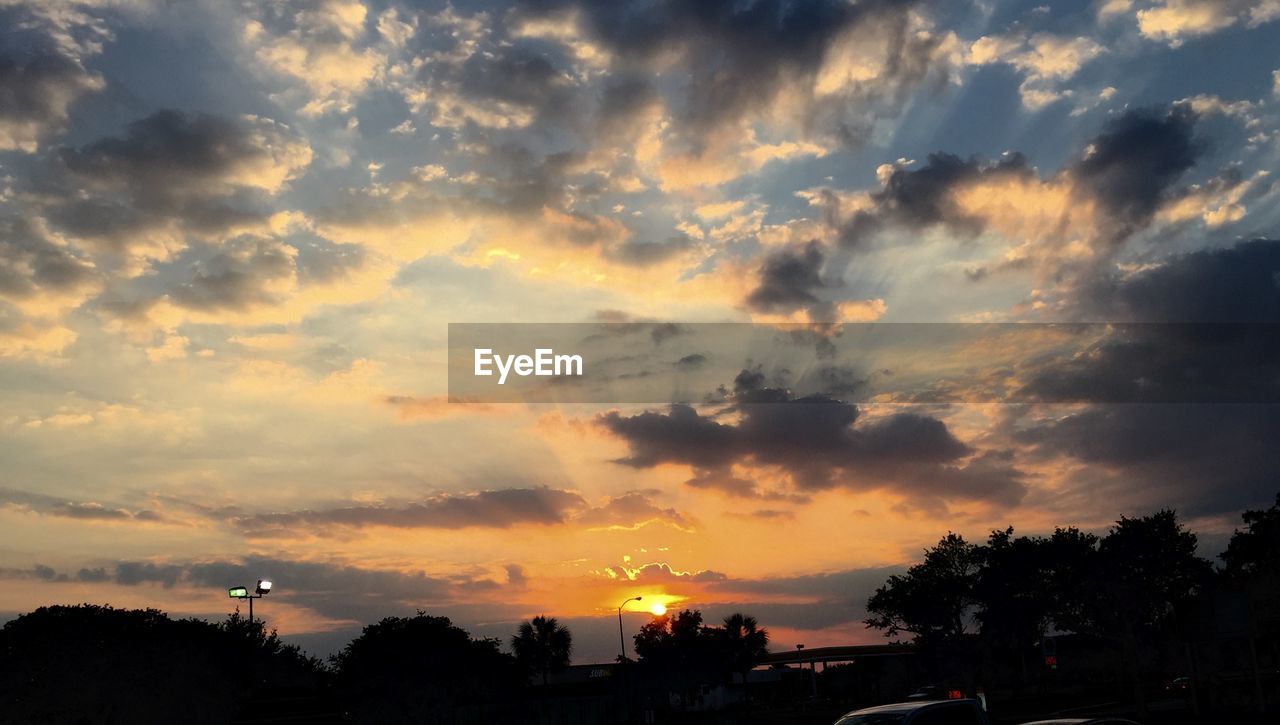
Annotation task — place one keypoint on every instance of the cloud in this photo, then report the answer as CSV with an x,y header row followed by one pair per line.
x,y
337,590
1175,21
320,45
38,275
919,198
1227,285
170,155
661,573
1131,165
41,75
817,442
46,505
496,509
789,279
499,508
240,275
1044,60
769,81
632,510
169,175
1060,226
1145,451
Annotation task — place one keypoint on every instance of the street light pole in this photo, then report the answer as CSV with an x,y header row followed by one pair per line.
x,y
263,588
622,642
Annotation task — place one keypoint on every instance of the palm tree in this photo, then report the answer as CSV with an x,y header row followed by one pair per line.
x,y
746,644
542,646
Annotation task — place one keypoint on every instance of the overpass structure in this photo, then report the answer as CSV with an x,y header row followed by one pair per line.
x,y
842,653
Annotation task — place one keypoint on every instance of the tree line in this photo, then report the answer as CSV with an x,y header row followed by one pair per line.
x,y
94,663
1141,588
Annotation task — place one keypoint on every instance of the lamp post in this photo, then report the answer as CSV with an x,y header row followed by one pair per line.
x,y
262,589
622,642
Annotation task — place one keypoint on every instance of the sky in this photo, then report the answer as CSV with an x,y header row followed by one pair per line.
x,y
233,236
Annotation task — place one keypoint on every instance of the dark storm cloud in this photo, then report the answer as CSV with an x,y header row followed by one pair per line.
x,y
1203,459
919,198
513,73
789,280
165,153
510,177
1230,285
1200,459
740,57
625,100
1202,327
818,442
29,263
237,277
205,172
500,508
38,82
1130,166
132,573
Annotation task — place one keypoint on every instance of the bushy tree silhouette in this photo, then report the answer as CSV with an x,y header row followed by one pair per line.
x,y
542,646
421,669
1124,587
744,643
934,601
680,652
97,664
1253,553
1022,586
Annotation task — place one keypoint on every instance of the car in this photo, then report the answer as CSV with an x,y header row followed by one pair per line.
x,y
934,712
1083,721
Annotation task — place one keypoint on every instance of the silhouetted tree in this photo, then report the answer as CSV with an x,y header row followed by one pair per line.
x,y
542,646
97,664
1023,584
1143,570
679,652
1254,552
934,600
1252,567
420,669
745,644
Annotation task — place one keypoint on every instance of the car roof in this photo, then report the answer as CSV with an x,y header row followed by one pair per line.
x,y
901,707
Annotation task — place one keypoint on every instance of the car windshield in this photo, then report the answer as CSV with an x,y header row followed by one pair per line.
x,y
874,718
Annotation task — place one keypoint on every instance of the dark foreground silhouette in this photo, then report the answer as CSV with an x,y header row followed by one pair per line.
x,y
1131,623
